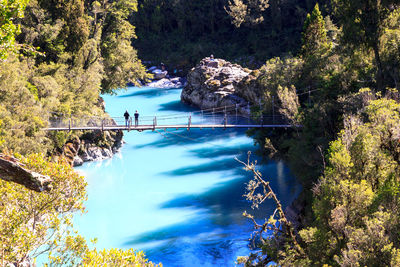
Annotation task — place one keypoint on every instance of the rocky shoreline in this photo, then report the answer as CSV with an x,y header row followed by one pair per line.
x,y
92,146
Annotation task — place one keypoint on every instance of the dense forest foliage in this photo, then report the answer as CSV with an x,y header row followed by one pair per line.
x,y
68,53
56,57
181,32
342,87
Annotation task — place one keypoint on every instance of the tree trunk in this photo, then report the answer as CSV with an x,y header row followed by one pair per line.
x,y
379,74
12,170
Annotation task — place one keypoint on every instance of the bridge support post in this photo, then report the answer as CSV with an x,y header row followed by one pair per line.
x,y
236,111
189,122
69,125
154,123
225,120
273,110
248,108
129,124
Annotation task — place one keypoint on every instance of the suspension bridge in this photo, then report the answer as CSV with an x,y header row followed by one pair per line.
x,y
214,118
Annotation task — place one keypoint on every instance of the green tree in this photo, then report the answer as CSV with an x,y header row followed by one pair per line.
x,y
356,201
355,224
363,25
33,223
315,41
246,12
315,51
390,49
31,220
121,64
10,10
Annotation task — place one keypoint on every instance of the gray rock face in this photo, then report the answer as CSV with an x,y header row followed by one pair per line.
x,y
216,83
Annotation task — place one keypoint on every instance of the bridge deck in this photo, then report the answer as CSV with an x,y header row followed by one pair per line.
x,y
152,127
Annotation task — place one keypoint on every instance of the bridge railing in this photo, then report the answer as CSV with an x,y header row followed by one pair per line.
x,y
74,122
178,119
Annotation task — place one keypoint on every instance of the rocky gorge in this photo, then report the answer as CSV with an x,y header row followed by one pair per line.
x,y
92,146
216,83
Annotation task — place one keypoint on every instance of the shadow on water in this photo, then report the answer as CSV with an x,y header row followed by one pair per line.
x,y
218,227
215,165
219,151
223,203
194,136
215,244
177,105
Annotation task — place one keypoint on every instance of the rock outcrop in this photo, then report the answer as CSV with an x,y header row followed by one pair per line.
x,y
216,83
92,146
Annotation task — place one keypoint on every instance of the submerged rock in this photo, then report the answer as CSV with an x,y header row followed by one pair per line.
x,y
216,83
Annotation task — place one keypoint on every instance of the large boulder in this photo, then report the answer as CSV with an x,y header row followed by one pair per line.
x,y
216,83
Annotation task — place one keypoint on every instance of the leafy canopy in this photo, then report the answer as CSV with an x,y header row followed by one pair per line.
x,y
10,10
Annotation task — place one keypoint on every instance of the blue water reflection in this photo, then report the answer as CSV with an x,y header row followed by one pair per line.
x,y
176,195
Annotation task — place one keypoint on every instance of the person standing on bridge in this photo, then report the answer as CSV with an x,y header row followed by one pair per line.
x,y
136,118
126,115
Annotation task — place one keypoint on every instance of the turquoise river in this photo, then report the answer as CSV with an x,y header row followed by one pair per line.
x,y
177,196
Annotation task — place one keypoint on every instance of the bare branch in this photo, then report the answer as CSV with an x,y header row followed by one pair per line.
x,y
260,198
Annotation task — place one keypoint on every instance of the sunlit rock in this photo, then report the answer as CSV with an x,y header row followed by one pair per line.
x,y
217,83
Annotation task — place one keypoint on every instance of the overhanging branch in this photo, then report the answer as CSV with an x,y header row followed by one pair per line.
x,y
13,171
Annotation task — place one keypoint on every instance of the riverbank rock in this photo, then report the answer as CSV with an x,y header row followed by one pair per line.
x,y
216,83
92,146
168,83
78,161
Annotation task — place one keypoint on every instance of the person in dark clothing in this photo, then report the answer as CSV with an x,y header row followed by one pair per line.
x,y
136,118
126,115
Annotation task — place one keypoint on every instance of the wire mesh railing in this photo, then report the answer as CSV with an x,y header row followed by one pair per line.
x,y
225,115
186,120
